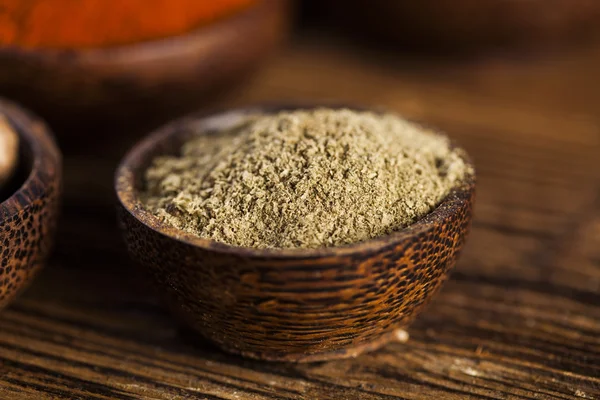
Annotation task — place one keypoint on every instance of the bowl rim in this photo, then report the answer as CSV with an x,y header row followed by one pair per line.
x,y
151,49
46,158
126,176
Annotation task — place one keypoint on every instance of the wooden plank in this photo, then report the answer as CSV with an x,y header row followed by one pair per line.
x,y
520,319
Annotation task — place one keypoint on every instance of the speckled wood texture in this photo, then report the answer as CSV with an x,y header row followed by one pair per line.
x,y
28,216
290,304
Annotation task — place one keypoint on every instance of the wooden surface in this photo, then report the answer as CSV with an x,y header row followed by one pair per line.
x,y
519,319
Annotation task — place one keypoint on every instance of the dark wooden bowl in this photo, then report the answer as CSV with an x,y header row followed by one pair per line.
x,y
29,207
288,304
473,24
150,80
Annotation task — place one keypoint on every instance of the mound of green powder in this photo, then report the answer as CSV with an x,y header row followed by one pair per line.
x,y
314,178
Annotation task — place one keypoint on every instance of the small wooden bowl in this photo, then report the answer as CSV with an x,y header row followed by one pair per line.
x,y
28,217
151,80
288,304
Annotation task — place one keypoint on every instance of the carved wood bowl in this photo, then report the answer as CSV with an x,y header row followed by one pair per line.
x,y
288,304
29,203
151,80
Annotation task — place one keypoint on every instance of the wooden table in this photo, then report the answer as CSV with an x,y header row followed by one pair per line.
x,y
519,319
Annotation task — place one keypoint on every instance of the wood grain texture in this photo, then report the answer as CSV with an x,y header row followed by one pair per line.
x,y
519,318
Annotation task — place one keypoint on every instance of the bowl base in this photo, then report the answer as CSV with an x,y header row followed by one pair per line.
x,y
398,335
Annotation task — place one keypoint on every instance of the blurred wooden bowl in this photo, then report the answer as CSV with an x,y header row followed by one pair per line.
x,y
288,304
147,80
473,24
28,216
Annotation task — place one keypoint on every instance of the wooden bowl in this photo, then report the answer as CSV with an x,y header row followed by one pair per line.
x,y
474,24
29,211
288,304
149,80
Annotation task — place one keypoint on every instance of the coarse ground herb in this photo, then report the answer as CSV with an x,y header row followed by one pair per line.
x,y
310,178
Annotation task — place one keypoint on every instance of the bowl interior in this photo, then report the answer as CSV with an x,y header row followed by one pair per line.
x,y
130,182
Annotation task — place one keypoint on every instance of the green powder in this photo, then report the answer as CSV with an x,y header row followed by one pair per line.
x,y
313,178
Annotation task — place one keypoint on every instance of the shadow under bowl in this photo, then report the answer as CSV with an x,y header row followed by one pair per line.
x,y
287,304
30,203
88,90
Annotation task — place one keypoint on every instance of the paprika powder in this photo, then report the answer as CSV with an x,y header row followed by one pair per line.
x,y
77,24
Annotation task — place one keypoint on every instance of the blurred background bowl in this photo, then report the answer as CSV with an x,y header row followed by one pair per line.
x,y
470,24
29,203
143,81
